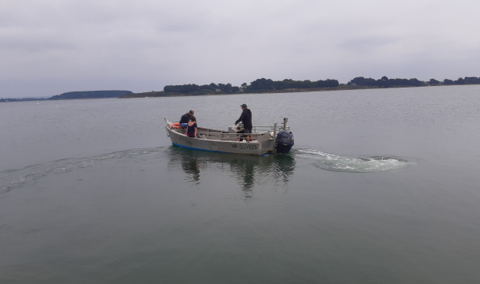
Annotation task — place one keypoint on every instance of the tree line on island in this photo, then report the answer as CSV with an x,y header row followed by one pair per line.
x,y
288,85
259,86
385,82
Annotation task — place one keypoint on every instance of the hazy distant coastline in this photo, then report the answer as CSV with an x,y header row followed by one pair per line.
x,y
258,86
76,95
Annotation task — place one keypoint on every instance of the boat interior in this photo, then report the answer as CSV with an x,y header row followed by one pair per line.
x,y
212,134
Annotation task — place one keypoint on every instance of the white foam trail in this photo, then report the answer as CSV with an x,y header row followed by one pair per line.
x,y
338,163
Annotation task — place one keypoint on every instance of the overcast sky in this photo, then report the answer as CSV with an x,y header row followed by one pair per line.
x,y
48,47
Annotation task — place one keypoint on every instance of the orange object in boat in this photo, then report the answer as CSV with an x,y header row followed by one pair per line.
x,y
175,125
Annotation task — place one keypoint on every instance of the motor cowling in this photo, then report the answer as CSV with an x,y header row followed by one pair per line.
x,y
284,142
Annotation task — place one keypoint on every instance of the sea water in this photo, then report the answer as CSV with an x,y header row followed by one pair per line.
x,y
382,186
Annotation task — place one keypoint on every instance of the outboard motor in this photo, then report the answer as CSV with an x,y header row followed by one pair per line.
x,y
284,142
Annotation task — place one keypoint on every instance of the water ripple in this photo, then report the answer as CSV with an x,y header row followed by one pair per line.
x,y
12,179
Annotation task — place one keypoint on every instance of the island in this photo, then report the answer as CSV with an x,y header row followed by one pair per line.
x,y
90,95
288,85
257,87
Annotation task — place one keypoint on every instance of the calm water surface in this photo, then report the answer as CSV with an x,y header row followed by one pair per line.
x,y
382,186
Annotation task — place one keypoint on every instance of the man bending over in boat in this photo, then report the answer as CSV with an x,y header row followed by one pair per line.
x,y
192,127
186,118
246,119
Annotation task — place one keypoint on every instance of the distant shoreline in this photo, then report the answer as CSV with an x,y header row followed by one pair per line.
x,y
103,94
342,88
259,86
164,94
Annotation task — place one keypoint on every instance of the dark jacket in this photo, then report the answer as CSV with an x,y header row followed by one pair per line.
x,y
246,119
185,118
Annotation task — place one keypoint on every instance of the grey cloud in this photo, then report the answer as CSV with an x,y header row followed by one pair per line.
x,y
34,43
145,44
367,44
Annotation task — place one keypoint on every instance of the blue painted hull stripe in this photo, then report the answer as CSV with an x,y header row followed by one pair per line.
x,y
209,150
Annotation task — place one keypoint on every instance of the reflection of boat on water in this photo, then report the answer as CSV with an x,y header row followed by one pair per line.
x,y
266,139
248,170
190,166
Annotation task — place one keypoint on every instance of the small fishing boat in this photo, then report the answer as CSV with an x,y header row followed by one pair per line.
x,y
265,139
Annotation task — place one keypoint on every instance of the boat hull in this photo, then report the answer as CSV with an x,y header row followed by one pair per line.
x,y
258,148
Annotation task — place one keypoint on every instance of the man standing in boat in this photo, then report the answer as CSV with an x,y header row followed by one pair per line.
x,y
246,119
186,118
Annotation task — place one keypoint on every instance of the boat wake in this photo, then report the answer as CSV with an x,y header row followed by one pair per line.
x,y
12,179
338,163
281,166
